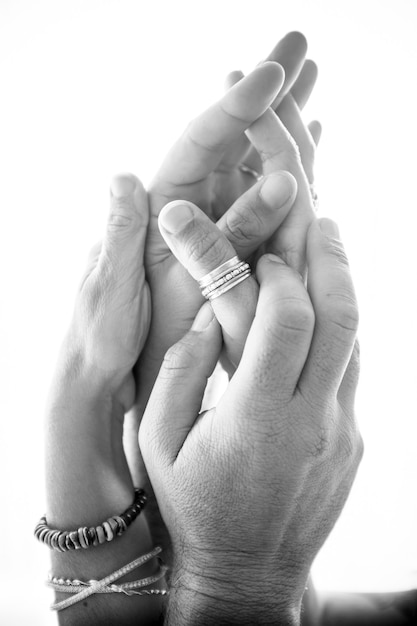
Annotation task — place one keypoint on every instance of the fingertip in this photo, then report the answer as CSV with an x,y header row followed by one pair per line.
x,y
272,72
175,216
315,129
274,68
123,185
298,40
279,189
323,237
204,318
232,78
311,68
126,189
267,263
329,228
129,212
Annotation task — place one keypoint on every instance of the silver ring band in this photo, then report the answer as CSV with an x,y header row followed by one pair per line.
x,y
224,277
248,170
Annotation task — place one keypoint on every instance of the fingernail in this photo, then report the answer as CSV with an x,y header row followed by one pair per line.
x,y
122,186
329,228
273,258
175,216
277,189
203,319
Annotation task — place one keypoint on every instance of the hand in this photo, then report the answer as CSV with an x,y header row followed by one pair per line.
x,y
202,168
88,479
112,313
94,384
251,489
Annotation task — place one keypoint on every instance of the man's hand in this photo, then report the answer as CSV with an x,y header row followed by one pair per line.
x,y
250,490
203,167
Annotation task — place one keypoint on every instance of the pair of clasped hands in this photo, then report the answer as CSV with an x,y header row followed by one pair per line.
x,y
243,495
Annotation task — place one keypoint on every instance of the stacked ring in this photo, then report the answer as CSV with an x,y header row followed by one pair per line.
x,y
224,277
248,170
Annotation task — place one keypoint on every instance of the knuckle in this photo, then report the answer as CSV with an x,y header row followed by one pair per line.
x,y
122,215
350,446
118,221
345,449
336,249
295,315
318,444
288,153
179,356
243,226
343,314
207,248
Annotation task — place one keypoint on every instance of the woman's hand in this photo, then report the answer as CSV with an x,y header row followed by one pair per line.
x,y
94,385
112,312
88,479
250,489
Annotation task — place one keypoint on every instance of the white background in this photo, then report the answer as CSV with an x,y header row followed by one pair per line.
x,y
90,88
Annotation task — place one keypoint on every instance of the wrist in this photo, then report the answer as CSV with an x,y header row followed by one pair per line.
x,y
229,596
77,372
84,452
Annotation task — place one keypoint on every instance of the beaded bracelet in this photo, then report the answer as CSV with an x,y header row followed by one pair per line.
x,y
84,537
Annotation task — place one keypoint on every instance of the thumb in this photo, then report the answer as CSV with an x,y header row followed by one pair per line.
x,y
124,240
176,398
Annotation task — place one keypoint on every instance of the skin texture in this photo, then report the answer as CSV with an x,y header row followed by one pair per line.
x,y
88,479
95,382
203,167
282,437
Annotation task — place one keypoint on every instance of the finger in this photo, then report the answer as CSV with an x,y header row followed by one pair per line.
x,y
258,213
332,294
236,152
124,240
315,130
200,149
200,247
290,53
278,151
289,113
279,339
232,78
179,390
290,116
304,84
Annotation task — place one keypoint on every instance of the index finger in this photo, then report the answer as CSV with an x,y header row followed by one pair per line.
x,y
199,150
290,52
